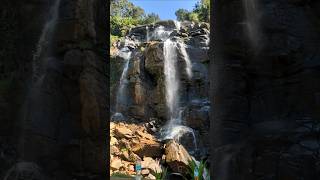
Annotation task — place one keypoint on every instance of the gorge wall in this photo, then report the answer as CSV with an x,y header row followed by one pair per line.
x,y
65,112
265,120
146,93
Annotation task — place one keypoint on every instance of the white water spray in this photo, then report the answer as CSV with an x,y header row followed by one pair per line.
x,y
125,53
177,24
252,21
186,59
171,80
148,33
160,33
44,40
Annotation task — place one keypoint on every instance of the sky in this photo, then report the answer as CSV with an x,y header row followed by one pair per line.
x,y
164,8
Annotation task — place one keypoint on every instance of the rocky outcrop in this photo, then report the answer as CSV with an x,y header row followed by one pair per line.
x,y
64,112
177,157
266,97
130,143
146,87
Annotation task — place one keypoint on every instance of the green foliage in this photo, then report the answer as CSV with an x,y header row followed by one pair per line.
x,y
113,39
161,175
120,25
194,17
124,8
201,169
201,12
125,15
150,18
182,14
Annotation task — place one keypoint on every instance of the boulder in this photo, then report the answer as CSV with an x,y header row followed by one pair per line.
x,y
148,148
123,132
151,164
150,176
115,163
177,157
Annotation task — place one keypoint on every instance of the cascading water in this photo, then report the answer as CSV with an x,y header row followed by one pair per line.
x,y
160,33
186,59
125,53
171,80
44,40
174,128
177,24
252,22
30,109
148,33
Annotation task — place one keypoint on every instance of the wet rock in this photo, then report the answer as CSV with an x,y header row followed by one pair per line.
x,y
177,157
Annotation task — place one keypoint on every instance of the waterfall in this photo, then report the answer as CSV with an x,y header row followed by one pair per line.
x,y
148,34
174,128
125,53
177,24
252,22
171,80
160,33
44,40
186,59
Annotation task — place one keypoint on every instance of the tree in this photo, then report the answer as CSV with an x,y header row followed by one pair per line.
x,y
151,18
194,17
182,14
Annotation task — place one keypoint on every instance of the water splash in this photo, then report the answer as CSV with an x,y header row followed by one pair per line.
x,y
160,33
176,132
186,59
45,39
177,24
171,80
125,53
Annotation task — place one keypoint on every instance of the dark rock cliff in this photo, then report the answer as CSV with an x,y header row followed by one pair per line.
x,y
53,128
265,120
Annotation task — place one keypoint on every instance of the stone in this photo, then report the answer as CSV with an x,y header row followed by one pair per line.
x,y
123,132
150,176
177,157
113,141
114,150
115,163
151,164
148,148
145,171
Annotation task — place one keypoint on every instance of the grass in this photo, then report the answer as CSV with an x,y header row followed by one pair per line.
x,y
201,169
161,175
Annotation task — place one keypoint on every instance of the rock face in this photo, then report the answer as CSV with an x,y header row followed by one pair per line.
x,y
177,157
64,112
132,144
266,97
146,79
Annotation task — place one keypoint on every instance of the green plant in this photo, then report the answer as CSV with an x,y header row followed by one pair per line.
x,y
161,175
201,168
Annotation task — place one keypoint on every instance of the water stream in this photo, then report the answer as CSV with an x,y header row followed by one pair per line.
x,y
44,41
186,59
252,22
125,53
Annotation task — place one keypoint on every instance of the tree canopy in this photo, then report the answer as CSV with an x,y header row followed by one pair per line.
x,y
201,12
